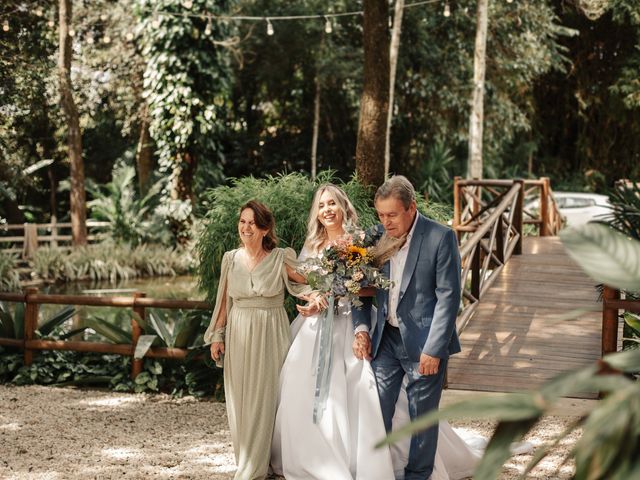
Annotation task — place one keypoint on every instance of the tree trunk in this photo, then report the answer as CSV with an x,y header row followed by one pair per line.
x,y
316,128
144,153
474,167
182,189
74,136
393,63
374,103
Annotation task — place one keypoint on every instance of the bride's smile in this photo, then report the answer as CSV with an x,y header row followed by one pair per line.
x,y
329,213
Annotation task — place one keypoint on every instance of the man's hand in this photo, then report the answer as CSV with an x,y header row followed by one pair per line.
x,y
362,346
428,364
217,348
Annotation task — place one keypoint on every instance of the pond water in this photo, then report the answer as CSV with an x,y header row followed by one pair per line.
x,y
181,287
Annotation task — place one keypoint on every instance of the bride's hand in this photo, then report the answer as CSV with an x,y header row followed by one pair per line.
x,y
317,303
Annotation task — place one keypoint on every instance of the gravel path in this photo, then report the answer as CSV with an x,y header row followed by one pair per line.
x,y
54,433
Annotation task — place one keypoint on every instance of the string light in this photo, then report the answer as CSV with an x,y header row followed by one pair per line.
x,y
509,1
187,4
106,39
129,36
51,23
328,27
104,17
269,27
39,12
447,10
5,25
72,32
90,40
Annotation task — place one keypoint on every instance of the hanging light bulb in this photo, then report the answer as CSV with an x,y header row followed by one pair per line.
x,y
72,32
106,39
51,23
269,27
187,4
5,26
207,29
129,36
328,27
390,22
509,1
90,40
104,17
39,12
447,10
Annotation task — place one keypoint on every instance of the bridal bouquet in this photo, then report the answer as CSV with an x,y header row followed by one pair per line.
x,y
349,264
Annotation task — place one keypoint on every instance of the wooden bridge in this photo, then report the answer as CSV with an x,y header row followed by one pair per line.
x,y
516,328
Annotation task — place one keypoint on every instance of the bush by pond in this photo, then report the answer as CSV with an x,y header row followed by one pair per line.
x,y
108,261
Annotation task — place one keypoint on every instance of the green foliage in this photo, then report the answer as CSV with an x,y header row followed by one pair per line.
x,y
12,320
131,219
625,210
435,181
9,279
610,441
111,262
289,198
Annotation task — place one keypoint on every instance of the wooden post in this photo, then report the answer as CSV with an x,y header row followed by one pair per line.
x,y
500,240
475,272
544,207
456,206
609,321
517,217
30,323
136,331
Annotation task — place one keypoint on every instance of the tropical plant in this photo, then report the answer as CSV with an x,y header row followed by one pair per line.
x,y
625,209
609,447
12,322
132,218
107,261
434,179
9,278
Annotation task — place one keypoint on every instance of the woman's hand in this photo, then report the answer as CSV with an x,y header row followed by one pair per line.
x,y
317,303
217,348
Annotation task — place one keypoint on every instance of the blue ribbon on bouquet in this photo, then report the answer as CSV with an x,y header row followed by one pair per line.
x,y
325,360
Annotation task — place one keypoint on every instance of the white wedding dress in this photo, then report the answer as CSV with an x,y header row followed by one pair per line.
x,y
340,447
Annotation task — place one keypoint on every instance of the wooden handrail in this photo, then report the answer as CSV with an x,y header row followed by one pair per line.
x,y
138,302
611,304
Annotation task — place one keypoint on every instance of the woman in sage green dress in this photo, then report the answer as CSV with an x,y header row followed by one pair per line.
x,y
249,326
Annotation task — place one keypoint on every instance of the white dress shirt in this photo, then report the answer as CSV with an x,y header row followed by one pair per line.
x,y
397,263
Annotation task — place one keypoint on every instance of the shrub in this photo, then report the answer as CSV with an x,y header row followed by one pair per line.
x,y
9,279
108,261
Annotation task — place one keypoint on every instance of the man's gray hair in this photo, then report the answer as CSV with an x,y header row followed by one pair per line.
x,y
398,187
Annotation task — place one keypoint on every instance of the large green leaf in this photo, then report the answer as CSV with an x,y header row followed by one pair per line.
x,y
186,329
18,320
159,325
143,345
606,255
6,325
627,361
108,330
632,320
58,319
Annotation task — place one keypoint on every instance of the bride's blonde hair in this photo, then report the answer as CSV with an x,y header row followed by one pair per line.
x,y
316,233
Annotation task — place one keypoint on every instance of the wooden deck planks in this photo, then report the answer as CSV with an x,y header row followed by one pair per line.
x,y
518,337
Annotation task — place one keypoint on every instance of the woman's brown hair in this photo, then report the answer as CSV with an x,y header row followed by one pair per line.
x,y
265,221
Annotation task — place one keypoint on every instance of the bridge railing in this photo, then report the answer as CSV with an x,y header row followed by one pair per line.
x,y
488,238
489,219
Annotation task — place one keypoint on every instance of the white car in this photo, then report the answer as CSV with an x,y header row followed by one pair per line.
x,y
577,207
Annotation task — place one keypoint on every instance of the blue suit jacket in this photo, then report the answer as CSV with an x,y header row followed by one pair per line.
x,y
429,294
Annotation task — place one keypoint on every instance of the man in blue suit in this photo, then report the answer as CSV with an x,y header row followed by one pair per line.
x,y
414,332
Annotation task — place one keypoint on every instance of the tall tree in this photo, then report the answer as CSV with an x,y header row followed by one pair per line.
x,y
74,135
476,119
393,64
374,103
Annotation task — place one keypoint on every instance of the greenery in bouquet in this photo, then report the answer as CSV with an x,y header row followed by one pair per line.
x,y
350,263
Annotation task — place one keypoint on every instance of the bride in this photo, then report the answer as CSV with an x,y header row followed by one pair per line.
x,y
339,445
